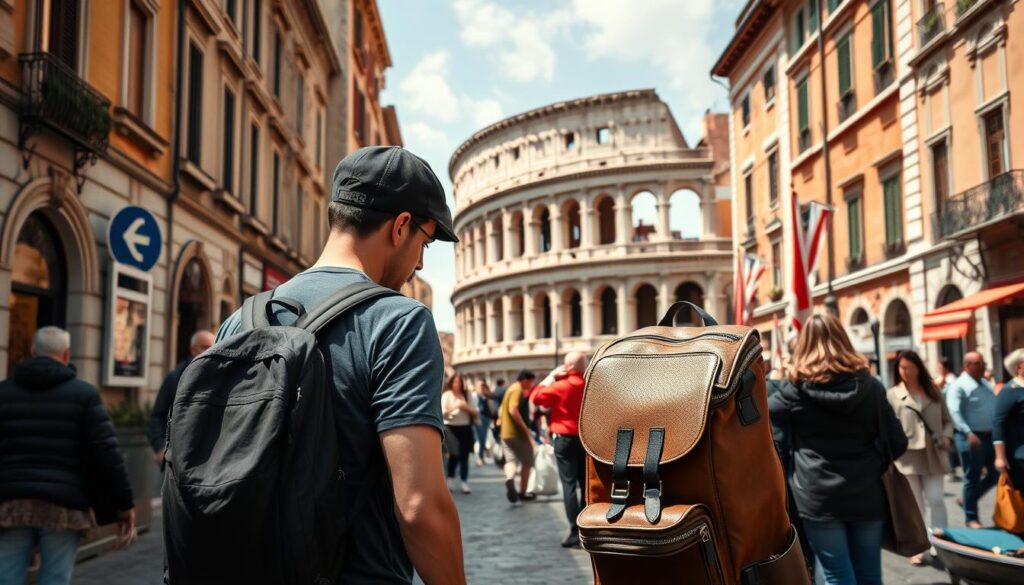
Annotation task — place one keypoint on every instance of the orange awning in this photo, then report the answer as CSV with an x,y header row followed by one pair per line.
x,y
953,320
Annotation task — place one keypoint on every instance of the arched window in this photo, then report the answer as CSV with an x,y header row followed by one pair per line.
x,y
571,217
692,292
573,313
897,333
684,215
644,216
545,230
499,325
543,303
193,305
498,232
518,332
646,306
609,312
38,286
519,241
606,220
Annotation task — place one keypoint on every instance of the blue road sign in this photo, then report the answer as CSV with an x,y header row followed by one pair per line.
x,y
133,237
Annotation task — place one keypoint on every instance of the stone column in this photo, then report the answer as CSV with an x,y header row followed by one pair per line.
x,y
587,311
556,228
481,246
708,210
555,301
507,251
489,247
529,319
507,330
532,231
492,329
624,217
588,222
664,225
712,297
623,309
664,300
480,337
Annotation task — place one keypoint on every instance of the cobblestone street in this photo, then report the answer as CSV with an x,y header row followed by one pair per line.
x,y
502,544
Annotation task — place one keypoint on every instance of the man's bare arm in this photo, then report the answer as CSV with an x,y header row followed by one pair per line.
x,y
426,513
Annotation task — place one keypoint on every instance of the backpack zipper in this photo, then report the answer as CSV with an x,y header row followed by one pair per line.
x,y
710,554
729,336
648,541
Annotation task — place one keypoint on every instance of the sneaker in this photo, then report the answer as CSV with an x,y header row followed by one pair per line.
x,y
526,497
451,484
572,540
464,487
479,462
510,491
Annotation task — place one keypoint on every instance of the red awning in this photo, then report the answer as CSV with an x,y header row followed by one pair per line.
x,y
953,320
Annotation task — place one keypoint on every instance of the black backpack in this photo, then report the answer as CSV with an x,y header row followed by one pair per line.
x,y
254,492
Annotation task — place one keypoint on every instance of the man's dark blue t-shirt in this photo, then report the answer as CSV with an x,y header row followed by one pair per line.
x,y
388,372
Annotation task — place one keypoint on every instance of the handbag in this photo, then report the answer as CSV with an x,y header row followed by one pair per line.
x,y
905,533
1009,512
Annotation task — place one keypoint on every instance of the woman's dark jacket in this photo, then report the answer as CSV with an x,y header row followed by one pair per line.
x,y
1008,427
833,432
56,440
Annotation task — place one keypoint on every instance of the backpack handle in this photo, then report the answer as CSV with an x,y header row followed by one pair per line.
x,y
669,320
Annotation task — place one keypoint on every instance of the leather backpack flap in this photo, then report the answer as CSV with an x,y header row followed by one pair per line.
x,y
670,391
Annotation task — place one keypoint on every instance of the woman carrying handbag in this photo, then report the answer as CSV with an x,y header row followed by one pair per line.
x,y
1008,439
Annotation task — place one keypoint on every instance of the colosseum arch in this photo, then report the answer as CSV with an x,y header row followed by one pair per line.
x,y
542,314
572,313
480,238
499,322
605,227
609,310
518,229
572,228
498,232
518,332
685,215
646,297
645,216
542,218
694,293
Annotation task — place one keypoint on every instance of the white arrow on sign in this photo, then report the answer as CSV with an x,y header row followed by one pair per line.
x,y
134,239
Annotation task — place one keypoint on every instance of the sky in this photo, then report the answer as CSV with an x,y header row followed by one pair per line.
x,y
460,65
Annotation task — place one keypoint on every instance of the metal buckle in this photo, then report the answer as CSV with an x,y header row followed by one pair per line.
x,y
647,488
620,492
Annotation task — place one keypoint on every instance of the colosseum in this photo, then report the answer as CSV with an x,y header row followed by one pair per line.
x,y
555,254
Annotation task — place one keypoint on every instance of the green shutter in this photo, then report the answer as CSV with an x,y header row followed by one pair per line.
x,y
812,15
798,31
893,210
832,5
802,105
878,28
854,221
843,54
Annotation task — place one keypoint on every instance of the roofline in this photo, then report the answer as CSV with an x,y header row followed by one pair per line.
x,y
320,25
375,13
543,111
749,25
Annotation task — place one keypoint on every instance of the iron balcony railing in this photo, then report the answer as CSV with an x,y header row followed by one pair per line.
x,y
931,24
56,96
963,6
1000,197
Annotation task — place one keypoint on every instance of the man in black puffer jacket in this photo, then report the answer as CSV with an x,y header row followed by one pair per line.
x,y
58,457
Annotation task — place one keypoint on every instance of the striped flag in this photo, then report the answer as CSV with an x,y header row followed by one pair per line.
x,y
749,270
806,246
777,343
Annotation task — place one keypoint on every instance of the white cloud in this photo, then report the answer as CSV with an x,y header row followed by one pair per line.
x,y
426,90
522,42
419,136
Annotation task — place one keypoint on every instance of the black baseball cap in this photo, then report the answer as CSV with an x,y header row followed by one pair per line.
x,y
391,179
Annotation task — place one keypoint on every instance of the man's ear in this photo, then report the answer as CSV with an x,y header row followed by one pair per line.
x,y
399,226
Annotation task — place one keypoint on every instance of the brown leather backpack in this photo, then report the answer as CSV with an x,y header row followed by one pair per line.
x,y
683,481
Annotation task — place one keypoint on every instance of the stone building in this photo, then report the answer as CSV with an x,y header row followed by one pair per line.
x,y
551,257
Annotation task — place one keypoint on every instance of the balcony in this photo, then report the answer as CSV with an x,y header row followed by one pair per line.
x,y
987,203
931,24
56,97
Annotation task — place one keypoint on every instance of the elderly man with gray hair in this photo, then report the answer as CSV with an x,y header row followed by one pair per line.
x,y
1008,424
201,341
58,458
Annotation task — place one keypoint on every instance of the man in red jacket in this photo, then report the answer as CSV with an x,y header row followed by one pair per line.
x,y
562,392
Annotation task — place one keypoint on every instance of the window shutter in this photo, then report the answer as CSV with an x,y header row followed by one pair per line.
x,y
228,174
832,5
802,105
877,34
843,54
854,221
812,15
64,32
893,211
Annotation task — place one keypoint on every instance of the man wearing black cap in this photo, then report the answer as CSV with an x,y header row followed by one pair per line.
x,y
386,207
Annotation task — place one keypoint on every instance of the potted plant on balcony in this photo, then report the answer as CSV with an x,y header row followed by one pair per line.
x,y
775,294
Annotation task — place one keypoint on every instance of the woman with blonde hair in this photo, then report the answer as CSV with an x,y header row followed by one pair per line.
x,y
459,414
922,411
834,410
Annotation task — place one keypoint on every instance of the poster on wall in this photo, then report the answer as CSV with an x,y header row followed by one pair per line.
x,y
128,327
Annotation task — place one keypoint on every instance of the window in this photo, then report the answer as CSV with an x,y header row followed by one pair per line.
x,y
277,63
300,105
359,112
570,141
300,198
812,15
257,29
773,179
769,84
777,264
515,153
357,28
604,135
799,32
855,227
844,57
254,169
231,9
748,197
940,173
228,167
803,115
320,137
138,30
62,32
745,108
893,210
832,5
195,103
995,142
276,192
881,45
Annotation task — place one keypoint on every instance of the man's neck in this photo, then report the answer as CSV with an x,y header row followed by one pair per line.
x,y
346,251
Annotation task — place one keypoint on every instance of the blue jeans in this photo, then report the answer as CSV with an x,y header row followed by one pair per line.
x,y
481,435
57,549
973,459
849,552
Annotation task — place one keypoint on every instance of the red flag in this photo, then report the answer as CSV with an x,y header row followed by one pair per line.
x,y
805,249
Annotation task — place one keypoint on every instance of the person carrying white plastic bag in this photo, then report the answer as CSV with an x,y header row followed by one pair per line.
x,y
544,479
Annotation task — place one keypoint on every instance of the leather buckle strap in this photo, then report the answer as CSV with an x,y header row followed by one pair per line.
x,y
652,482
620,478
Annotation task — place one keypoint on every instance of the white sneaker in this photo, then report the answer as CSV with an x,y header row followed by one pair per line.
x,y
465,488
451,484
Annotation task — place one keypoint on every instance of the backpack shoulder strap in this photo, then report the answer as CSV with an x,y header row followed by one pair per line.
x,y
340,302
254,311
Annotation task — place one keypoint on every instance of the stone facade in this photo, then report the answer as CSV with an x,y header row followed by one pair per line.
x,y
551,259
